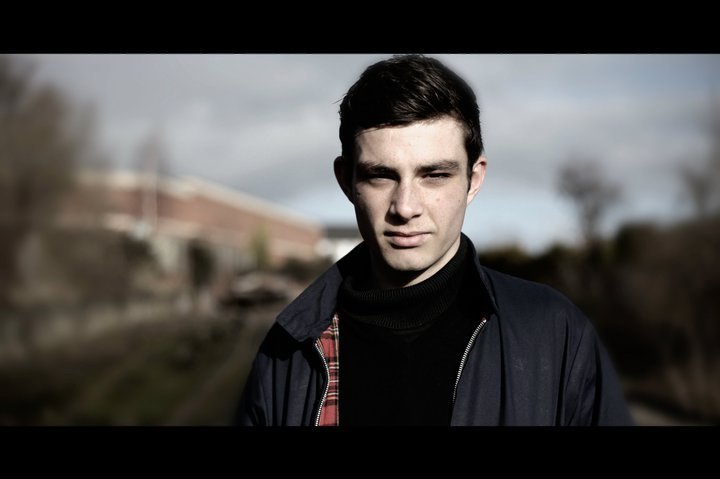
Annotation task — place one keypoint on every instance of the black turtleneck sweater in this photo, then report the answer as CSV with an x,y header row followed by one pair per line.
x,y
400,349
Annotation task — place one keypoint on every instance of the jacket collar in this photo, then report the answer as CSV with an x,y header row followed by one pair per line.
x,y
311,312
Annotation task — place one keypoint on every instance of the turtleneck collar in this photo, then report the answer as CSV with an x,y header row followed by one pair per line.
x,y
408,307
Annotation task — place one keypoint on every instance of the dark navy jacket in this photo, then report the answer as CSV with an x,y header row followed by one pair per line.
x,y
536,361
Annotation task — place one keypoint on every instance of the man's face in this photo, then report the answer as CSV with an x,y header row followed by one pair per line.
x,y
410,191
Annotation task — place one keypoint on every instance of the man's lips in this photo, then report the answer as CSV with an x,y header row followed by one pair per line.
x,y
406,239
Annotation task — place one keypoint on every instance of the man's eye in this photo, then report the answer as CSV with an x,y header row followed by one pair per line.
x,y
436,176
378,177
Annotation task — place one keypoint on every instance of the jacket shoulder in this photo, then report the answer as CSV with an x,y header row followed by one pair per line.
x,y
528,302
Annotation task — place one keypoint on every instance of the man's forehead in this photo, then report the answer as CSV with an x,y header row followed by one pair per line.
x,y
443,126
420,142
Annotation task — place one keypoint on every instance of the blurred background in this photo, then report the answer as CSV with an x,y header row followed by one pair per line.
x,y
158,211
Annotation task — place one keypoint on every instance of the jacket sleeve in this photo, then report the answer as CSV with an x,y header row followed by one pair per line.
x,y
251,410
594,395
255,407
277,391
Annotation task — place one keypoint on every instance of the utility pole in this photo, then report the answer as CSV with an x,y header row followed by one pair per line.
x,y
150,160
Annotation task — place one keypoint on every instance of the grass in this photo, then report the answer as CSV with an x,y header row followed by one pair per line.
x,y
184,371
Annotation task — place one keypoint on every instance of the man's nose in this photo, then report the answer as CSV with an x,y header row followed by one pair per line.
x,y
406,202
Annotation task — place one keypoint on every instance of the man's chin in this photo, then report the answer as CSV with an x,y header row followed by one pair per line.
x,y
406,265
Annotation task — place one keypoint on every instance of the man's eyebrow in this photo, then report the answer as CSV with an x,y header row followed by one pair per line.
x,y
443,165
378,168
374,168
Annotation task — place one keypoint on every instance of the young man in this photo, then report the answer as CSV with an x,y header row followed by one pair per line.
x,y
409,328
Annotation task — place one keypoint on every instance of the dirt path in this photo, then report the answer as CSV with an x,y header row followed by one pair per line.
x,y
647,416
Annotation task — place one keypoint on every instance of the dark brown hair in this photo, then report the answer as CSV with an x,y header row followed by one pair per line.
x,y
405,89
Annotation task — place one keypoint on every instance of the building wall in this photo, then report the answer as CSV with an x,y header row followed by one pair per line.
x,y
172,212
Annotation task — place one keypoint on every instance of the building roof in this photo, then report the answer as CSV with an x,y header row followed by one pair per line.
x,y
184,187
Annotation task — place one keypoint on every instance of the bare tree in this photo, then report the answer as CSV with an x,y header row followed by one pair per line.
x,y
700,187
153,164
701,182
582,181
42,141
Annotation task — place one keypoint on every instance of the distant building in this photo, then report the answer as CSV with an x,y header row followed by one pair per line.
x,y
339,240
171,212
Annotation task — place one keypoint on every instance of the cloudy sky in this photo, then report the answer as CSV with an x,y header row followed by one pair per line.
x,y
267,125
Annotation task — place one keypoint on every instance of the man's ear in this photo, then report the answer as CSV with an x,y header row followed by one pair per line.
x,y
477,177
343,175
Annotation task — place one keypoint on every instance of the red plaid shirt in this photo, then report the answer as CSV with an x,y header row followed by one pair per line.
x,y
328,344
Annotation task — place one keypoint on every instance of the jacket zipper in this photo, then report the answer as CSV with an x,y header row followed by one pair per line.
x,y
327,383
457,379
465,355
